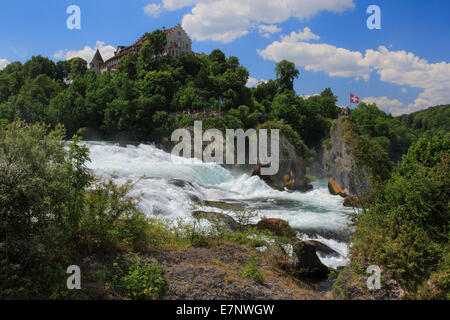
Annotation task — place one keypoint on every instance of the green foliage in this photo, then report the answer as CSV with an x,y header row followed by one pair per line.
x,y
244,217
128,65
40,185
433,120
136,278
77,66
125,103
427,151
286,73
251,271
157,40
111,221
385,130
406,226
54,212
368,154
39,65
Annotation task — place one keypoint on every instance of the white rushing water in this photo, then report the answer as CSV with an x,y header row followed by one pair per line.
x,y
318,214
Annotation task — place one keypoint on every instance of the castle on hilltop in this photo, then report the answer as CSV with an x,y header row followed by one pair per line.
x,y
178,44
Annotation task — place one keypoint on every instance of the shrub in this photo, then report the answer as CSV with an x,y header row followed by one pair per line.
x,y
135,278
251,271
406,226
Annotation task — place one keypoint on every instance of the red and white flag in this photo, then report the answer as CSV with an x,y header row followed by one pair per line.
x,y
353,98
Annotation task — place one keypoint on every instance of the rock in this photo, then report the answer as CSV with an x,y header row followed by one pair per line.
x,y
292,170
346,177
186,185
323,249
217,217
279,227
225,205
193,198
335,189
351,202
180,183
216,274
338,235
352,285
308,263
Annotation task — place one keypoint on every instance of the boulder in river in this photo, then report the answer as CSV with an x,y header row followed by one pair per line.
x,y
291,174
308,263
225,205
323,249
180,183
279,227
217,217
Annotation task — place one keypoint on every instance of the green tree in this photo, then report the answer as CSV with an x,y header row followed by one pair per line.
x,y
406,227
157,41
77,66
128,65
39,65
11,80
286,74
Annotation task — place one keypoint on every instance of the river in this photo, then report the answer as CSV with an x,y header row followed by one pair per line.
x,y
316,214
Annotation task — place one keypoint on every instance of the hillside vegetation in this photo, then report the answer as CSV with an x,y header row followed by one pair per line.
x,y
430,121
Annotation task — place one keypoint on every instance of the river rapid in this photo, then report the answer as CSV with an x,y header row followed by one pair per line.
x,y
316,214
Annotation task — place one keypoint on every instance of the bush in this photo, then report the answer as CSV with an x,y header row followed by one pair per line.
x,y
406,226
54,212
135,278
251,271
41,195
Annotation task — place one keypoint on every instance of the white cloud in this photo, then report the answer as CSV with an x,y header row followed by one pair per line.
x,y
396,67
304,35
3,63
336,62
307,96
87,53
227,20
405,69
177,4
59,54
267,30
153,9
393,106
253,82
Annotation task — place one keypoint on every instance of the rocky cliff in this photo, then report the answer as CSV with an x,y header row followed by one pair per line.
x,y
346,178
292,170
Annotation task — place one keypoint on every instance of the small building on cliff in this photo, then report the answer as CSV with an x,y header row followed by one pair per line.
x,y
178,44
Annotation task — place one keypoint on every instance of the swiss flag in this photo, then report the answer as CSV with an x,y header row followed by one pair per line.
x,y
353,98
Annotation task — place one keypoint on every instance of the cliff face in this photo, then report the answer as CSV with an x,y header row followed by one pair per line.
x,y
345,177
292,170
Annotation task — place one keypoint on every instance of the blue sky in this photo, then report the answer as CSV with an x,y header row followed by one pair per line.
x,y
403,67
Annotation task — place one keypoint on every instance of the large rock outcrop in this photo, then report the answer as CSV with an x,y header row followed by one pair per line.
x,y
346,178
292,170
308,264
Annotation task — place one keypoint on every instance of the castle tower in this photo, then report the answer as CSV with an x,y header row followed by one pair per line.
x,y
97,63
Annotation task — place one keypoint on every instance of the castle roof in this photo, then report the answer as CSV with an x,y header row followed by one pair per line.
x,y
168,31
124,50
97,58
